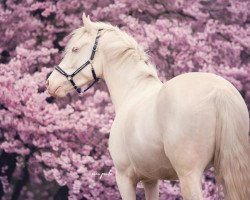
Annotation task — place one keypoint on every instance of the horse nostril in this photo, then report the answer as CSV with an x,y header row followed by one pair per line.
x,y
47,83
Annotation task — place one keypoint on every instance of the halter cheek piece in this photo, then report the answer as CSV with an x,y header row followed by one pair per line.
x,y
90,61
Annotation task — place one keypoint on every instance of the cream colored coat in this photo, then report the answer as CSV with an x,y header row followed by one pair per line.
x,y
163,131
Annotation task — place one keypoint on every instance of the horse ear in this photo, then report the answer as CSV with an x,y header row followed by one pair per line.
x,y
88,24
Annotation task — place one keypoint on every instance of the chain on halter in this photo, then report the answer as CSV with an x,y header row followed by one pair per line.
x,y
90,61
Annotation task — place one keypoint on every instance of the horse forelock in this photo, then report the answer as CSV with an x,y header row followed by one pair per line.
x,y
118,44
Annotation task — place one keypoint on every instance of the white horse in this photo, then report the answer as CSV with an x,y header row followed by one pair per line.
x,y
161,131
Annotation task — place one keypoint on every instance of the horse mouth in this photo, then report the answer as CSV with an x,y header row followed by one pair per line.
x,y
55,91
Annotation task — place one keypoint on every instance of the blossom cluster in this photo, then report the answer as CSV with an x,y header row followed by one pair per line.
x,y
57,148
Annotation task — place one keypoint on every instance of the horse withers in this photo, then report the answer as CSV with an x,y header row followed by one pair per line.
x,y
168,131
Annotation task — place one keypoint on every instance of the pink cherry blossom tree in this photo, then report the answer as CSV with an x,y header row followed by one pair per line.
x,y
57,148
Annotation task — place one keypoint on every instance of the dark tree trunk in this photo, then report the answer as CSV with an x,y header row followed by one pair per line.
x,y
62,193
9,160
22,181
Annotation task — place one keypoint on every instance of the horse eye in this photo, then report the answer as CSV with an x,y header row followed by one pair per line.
x,y
75,49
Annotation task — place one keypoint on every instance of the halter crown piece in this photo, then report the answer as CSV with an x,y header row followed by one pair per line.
x,y
90,61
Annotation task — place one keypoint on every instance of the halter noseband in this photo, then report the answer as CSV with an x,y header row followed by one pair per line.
x,y
90,61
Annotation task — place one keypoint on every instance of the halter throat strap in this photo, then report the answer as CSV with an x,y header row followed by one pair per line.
x,y
90,61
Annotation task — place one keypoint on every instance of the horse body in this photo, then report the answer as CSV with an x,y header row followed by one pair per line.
x,y
161,131
168,131
139,137
149,141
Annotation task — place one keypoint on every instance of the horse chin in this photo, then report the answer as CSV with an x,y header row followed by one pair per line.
x,y
61,93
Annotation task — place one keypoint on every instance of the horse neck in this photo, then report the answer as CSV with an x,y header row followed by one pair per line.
x,y
128,80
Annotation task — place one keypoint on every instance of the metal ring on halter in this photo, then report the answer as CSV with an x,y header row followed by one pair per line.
x,y
91,63
69,78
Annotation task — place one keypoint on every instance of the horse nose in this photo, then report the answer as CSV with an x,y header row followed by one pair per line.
x,y
47,83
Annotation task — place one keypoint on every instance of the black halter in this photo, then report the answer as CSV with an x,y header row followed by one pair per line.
x,y
90,61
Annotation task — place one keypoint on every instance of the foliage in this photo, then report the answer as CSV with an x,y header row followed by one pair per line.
x,y
54,148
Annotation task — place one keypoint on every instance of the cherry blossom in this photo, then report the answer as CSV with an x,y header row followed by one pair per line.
x,y
57,148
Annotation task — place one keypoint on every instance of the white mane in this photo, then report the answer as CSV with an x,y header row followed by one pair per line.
x,y
120,46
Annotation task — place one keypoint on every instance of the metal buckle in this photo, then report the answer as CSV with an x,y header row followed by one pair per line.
x,y
69,78
94,48
91,63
